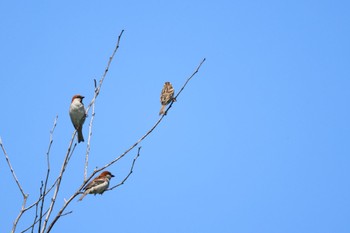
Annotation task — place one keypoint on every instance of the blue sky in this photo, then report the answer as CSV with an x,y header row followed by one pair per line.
x,y
257,142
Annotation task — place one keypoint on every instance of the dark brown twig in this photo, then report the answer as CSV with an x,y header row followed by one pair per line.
x,y
47,173
32,226
130,172
37,207
183,87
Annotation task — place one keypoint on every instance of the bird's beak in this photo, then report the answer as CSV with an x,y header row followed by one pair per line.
x,y
112,175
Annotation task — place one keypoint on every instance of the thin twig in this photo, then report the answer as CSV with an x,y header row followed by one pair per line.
x,y
44,193
90,135
37,207
130,172
25,196
58,184
20,214
11,169
31,226
71,153
61,211
97,91
36,202
69,212
47,172
194,73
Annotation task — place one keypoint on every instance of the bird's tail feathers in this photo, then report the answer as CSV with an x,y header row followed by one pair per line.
x,y
162,110
80,136
82,196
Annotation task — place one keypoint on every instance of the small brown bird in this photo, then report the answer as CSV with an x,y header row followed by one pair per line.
x,y
77,115
166,96
98,185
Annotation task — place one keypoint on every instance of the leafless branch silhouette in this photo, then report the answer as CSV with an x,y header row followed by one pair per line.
x,y
45,218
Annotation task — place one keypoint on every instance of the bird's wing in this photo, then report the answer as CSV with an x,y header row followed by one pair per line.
x,y
95,182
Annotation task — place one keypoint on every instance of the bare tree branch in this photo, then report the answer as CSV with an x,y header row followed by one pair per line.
x,y
20,214
40,198
64,214
35,204
33,225
130,172
90,135
11,169
183,87
42,193
58,184
25,196
37,207
47,173
61,211
97,91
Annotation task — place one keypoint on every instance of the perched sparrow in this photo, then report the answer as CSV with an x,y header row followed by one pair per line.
x,y
98,185
166,96
77,115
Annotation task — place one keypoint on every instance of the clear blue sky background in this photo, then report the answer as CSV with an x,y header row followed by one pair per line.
x,y
257,142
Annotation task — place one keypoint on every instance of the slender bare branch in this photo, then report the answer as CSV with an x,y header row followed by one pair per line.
x,y
71,153
37,207
33,225
97,91
40,198
64,214
92,103
11,169
35,204
25,196
61,211
130,172
183,87
20,214
90,135
58,184
43,195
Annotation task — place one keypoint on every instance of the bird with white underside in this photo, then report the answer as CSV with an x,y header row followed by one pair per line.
x,y
98,185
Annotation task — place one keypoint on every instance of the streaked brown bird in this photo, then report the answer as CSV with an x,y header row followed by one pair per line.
x,y
166,96
98,185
